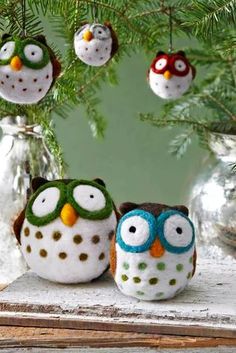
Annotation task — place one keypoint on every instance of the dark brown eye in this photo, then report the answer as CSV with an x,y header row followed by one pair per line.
x,y
132,229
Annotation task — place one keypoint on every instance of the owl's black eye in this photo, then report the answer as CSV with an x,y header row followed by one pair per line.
x,y
132,229
179,230
32,53
43,200
91,196
100,32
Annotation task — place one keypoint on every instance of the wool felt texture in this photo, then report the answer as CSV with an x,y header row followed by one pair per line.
x,y
56,251
95,44
170,75
28,69
137,272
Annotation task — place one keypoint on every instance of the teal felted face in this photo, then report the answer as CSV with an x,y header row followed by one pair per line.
x,y
89,199
46,204
33,54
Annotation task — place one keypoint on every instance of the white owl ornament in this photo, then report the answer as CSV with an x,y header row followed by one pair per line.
x,y
65,230
95,44
28,69
153,255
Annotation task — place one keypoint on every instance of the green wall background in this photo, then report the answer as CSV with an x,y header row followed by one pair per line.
x,y
133,158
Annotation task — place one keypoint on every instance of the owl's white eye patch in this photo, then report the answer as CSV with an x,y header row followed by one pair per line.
x,y
178,231
46,202
89,198
80,32
180,65
7,50
101,32
135,231
33,53
160,64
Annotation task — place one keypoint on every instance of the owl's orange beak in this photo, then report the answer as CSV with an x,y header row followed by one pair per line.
x,y
68,215
167,74
88,36
157,250
16,63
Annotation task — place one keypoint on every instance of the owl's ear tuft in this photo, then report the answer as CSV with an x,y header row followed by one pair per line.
x,y
181,52
5,36
37,182
126,207
41,39
100,182
160,53
182,209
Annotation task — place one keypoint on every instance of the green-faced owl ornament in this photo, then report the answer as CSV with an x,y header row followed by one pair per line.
x,y
65,230
28,69
153,255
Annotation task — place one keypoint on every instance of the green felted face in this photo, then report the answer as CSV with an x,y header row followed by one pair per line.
x,y
88,198
31,52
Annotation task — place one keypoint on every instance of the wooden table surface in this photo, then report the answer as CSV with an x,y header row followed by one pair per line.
x,y
38,316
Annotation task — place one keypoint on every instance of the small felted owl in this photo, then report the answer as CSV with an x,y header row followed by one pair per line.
x,y
170,75
28,68
66,228
153,254
95,44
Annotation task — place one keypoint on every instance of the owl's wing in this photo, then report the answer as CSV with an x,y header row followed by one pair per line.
x,y
194,261
113,256
193,71
17,226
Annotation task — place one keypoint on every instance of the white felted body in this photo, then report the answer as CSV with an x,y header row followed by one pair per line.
x,y
26,86
68,259
149,278
173,88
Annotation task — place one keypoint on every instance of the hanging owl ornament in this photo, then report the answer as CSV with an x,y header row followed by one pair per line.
x,y
95,44
170,75
65,230
153,254
28,69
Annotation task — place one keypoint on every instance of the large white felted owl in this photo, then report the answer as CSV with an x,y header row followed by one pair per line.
x,y
153,254
170,75
66,228
28,68
95,44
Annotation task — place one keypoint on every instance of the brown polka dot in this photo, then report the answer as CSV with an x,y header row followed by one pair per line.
x,y
97,49
2,82
62,255
106,48
24,89
38,235
20,80
56,236
102,256
77,239
83,257
35,79
95,239
47,76
40,89
13,86
26,231
43,253
153,280
111,234
28,248
86,48
7,76
101,58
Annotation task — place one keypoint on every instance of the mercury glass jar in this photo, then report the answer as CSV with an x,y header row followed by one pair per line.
x,y
23,155
213,199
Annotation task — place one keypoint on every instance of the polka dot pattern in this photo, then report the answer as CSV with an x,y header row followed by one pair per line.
x,y
56,236
136,279
62,255
95,239
126,265
28,248
179,267
124,278
77,239
43,253
38,235
161,266
153,281
26,231
142,266
101,256
83,257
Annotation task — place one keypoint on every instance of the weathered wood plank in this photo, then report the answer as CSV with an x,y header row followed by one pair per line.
x,y
206,308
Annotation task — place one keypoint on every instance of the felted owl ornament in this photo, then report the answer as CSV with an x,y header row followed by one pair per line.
x,y
95,44
65,230
28,69
153,254
170,75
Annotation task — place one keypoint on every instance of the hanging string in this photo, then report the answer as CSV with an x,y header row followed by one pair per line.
x,y
171,31
95,12
23,8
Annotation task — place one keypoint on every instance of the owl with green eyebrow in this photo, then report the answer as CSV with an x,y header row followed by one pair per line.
x,y
65,230
28,69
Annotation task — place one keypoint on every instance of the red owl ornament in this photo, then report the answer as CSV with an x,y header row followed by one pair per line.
x,y
170,75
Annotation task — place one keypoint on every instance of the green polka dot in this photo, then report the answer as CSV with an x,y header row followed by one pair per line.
x,y
172,282
142,266
140,292
191,260
179,267
153,280
189,275
159,294
161,266
136,279
124,278
126,265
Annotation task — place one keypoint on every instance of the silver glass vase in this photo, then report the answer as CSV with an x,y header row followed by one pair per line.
x,y
23,155
213,200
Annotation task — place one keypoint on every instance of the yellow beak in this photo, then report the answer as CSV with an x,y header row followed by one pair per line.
x,y
16,63
157,250
88,36
68,215
167,74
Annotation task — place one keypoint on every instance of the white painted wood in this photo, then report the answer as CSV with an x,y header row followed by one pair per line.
x,y
206,308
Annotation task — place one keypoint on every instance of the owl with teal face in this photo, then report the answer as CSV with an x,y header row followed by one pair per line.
x,y
28,69
65,230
